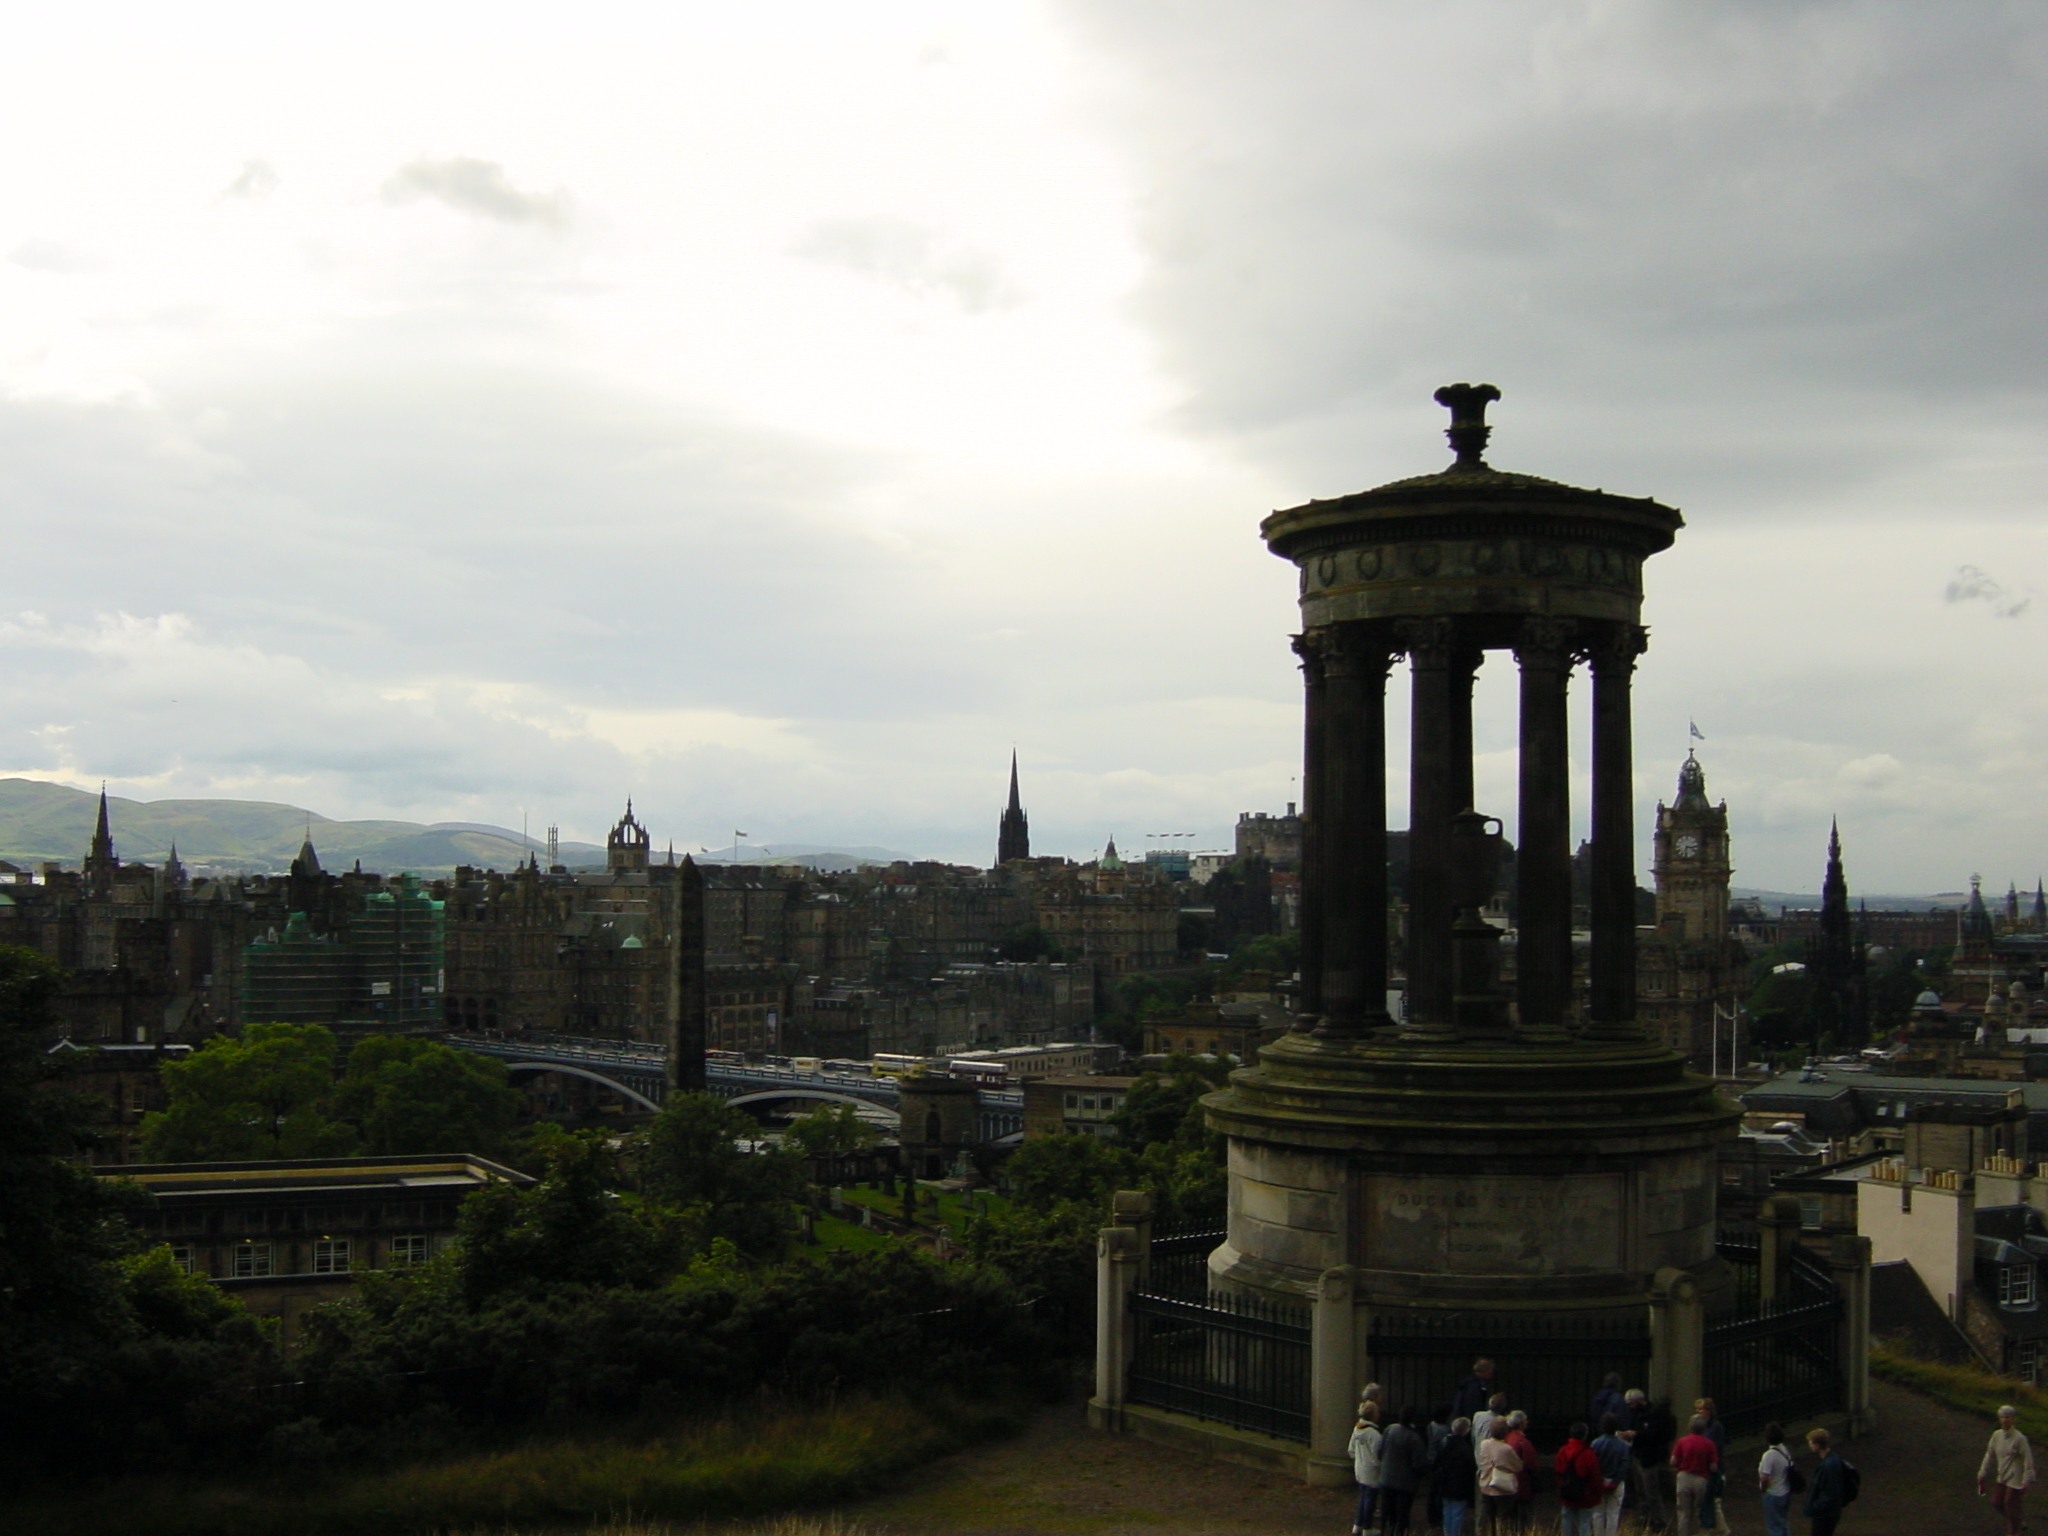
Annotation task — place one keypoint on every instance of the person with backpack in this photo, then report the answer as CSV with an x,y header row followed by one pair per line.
x,y
2007,1469
1581,1485
1834,1487
1779,1479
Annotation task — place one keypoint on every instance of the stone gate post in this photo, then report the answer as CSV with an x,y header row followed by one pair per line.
x,y
1677,1340
1777,1234
1133,1208
1117,1256
1849,1258
1335,1328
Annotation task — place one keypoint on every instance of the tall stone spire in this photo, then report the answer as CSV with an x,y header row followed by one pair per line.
x,y
1013,833
1836,959
100,863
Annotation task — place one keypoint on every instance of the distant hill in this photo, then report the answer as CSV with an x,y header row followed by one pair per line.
x,y
52,822
1773,900
826,859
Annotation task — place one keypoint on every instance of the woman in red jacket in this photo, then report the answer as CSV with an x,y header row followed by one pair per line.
x,y
1580,1486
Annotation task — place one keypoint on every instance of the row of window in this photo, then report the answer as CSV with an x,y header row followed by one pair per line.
x,y
303,1218
331,1256
1091,1104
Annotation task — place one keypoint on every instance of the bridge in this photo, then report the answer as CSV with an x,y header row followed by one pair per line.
x,y
638,1072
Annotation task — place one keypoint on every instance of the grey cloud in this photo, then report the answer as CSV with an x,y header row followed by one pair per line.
x,y
910,257
478,187
1970,585
256,181
1758,226
52,256
390,511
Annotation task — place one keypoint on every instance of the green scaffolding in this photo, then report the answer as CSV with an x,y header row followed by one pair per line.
x,y
384,973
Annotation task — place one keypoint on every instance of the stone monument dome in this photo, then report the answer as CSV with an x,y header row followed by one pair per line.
x,y
1534,1151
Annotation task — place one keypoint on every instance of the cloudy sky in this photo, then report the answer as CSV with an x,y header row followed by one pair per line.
x,y
777,412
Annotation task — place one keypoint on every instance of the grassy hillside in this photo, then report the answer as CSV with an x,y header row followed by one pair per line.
x,y
41,822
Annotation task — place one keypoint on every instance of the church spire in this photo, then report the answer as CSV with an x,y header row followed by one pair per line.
x,y
102,836
1013,832
100,863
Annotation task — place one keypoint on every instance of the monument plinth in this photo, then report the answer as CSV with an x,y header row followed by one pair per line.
x,y
1487,1152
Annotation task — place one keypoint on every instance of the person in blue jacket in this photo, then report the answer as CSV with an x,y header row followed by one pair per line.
x,y
1828,1494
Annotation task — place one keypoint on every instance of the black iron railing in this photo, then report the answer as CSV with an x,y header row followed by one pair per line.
x,y
1778,1361
1237,1360
1179,1265
1549,1367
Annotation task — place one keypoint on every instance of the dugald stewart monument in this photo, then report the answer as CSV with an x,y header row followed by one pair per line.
x,y
1505,1164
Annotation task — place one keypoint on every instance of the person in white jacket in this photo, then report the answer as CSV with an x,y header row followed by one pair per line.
x,y
1365,1466
2007,1469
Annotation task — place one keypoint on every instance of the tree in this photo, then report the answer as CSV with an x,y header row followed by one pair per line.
x,y
1179,1158
1160,1103
105,1359
262,1096
59,1226
1277,954
701,1156
569,1229
1053,1170
406,1094
832,1131
1028,941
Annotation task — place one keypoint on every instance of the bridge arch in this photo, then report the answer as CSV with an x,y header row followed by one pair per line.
x,y
825,1095
596,1077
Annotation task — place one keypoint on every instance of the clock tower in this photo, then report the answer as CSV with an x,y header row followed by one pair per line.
x,y
1691,862
1689,968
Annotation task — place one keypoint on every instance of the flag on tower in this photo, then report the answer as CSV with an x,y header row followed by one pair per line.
x,y
1696,736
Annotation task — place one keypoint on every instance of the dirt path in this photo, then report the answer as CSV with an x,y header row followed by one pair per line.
x,y
1918,1466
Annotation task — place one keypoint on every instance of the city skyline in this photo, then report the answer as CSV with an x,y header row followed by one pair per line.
x,y
778,416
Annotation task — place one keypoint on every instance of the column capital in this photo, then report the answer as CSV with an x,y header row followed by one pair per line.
x,y
1547,642
1311,646
1359,650
1348,650
1428,642
1613,648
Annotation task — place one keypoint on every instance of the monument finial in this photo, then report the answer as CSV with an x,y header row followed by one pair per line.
x,y
1468,430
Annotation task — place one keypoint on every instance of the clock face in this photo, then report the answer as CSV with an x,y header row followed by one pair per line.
x,y
1686,846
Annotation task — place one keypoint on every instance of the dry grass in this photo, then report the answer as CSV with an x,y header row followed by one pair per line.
x,y
1960,1386
714,1471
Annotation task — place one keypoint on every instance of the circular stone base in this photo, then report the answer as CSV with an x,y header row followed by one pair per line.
x,y
1470,1175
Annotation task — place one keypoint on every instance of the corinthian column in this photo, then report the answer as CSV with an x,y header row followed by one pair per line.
x,y
1441,664
1613,654
1543,919
1351,854
1309,1003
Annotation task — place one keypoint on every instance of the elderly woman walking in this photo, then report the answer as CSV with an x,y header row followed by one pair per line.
x,y
2007,1469
1500,1475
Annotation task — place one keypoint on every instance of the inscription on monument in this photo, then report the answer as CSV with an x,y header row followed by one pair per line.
x,y
1500,1225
